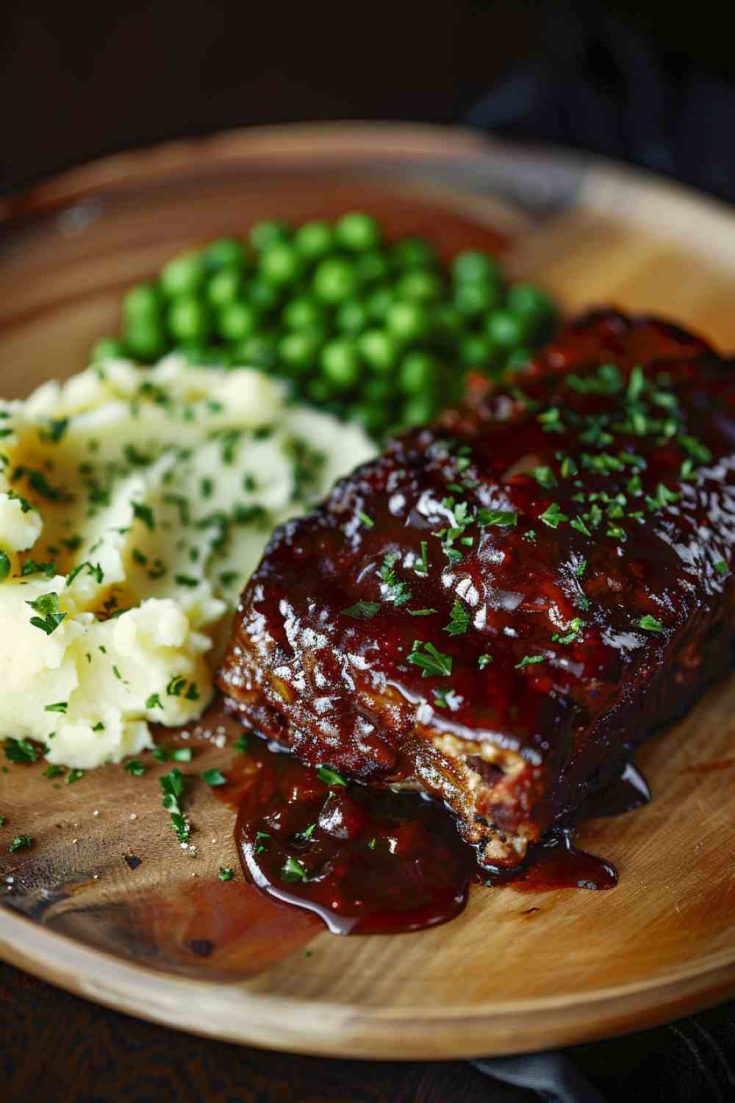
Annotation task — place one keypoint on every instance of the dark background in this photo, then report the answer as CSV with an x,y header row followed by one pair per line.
x,y
649,82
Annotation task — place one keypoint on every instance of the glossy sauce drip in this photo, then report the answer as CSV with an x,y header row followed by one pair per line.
x,y
370,860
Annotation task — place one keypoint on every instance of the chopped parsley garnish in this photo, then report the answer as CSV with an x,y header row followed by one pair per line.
x,y
545,477
329,776
578,524
394,590
581,567
56,429
144,513
176,686
93,568
362,609
366,519
530,660
135,767
172,792
433,663
53,771
241,744
20,842
305,835
57,706
226,873
39,482
294,870
459,619
446,699
650,624
575,627
74,775
33,566
154,702
484,660
214,777
48,606
186,580
20,750
422,566
721,566
553,516
504,518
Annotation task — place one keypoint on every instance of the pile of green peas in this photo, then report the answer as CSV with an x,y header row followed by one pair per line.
x,y
374,331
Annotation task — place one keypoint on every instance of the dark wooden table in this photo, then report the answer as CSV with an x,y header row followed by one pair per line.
x,y
57,1047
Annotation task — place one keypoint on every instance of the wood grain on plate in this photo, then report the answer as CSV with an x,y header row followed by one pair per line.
x,y
106,904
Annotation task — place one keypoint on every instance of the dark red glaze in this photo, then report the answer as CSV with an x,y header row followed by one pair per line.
x,y
369,860
512,746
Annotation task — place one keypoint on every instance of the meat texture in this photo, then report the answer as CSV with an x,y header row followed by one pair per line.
x,y
497,608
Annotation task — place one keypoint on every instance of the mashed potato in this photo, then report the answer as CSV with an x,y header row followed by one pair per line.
x,y
133,505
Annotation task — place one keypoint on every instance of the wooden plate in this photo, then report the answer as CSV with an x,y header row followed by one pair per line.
x,y
105,903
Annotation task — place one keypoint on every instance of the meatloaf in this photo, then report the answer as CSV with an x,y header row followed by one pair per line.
x,y
501,605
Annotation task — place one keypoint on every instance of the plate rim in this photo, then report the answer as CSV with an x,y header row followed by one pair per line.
x,y
325,1028
329,1029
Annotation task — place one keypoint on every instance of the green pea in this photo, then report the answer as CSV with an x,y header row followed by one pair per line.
x,y
341,363
352,317
299,350
476,350
505,329
420,285
144,340
224,287
302,313
280,263
237,321
226,252
418,372
473,299
258,351
472,266
335,280
143,301
372,266
4,565
107,348
183,275
413,252
314,240
269,232
408,321
379,302
418,409
263,295
528,301
357,231
378,349
188,320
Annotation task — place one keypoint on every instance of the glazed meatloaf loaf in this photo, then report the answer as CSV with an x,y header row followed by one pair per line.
x,y
498,607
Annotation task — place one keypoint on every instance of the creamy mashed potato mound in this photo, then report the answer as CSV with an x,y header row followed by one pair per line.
x,y
134,503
